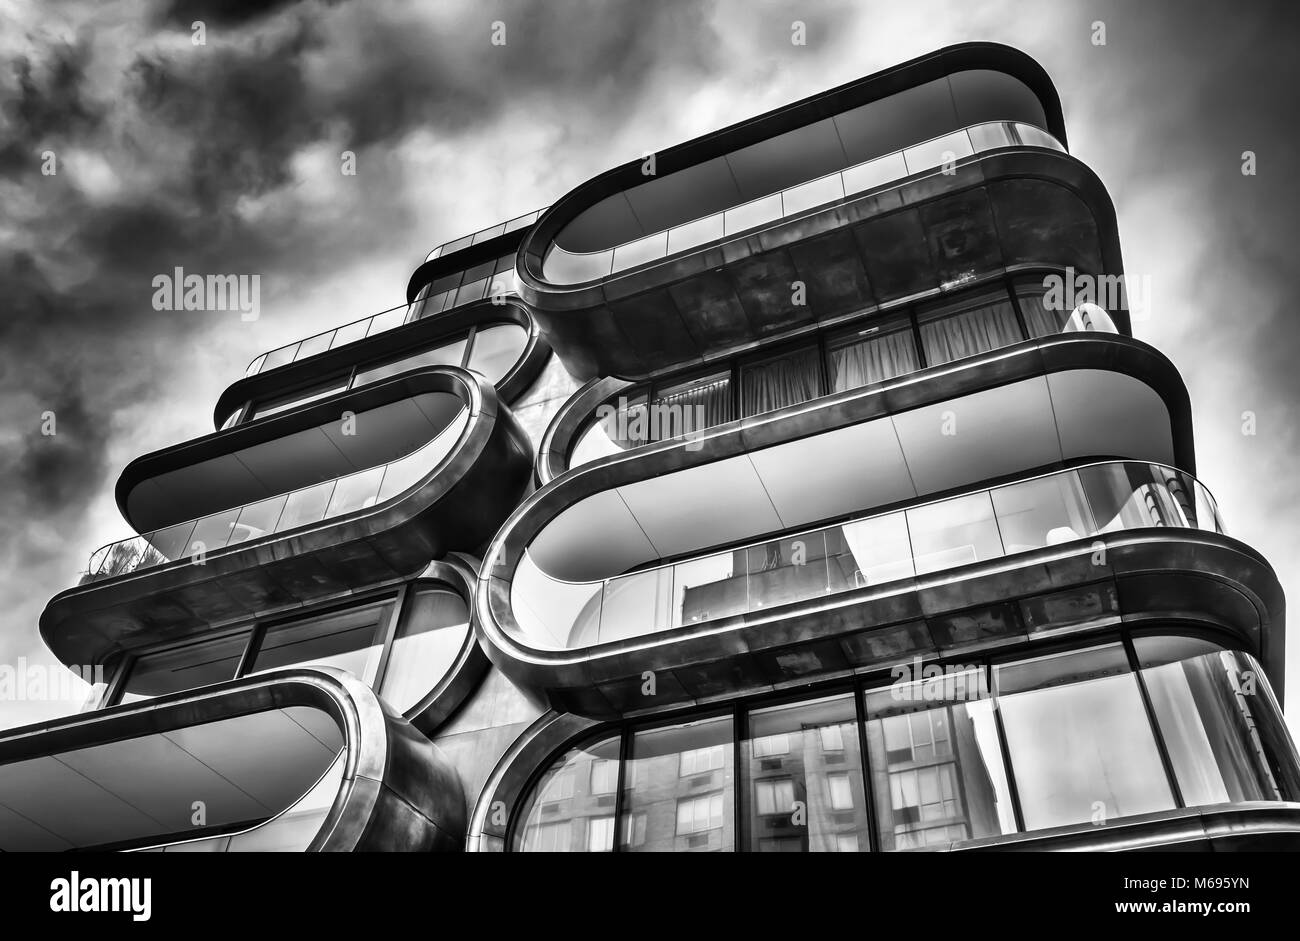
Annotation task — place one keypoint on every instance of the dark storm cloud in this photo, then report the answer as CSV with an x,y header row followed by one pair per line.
x,y
220,12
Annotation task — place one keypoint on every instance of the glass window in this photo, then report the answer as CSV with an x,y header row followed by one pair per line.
x,y
786,570
937,152
386,320
497,348
709,588
804,794
285,402
618,425
557,807
434,627
445,354
1219,722
947,335
686,811
953,532
777,383
355,491
936,761
257,519
690,406
313,345
1043,512
350,640
1080,743
869,552
1043,317
213,532
181,668
872,354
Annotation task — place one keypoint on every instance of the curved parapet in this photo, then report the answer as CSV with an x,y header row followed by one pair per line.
x,y
304,759
298,550
495,337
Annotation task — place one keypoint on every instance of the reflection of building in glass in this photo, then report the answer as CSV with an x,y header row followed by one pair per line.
x,y
826,528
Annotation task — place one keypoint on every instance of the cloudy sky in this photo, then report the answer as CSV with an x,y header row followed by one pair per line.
x,y
225,157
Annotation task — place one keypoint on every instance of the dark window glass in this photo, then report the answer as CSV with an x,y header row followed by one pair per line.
x,y
350,640
188,667
777,383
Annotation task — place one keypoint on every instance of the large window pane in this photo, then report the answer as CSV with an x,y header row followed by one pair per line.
x,y
1081,746
777,383
434,627
936,763
681,779
305,506
496,349
350,640
188,667
618,425
446,354
953,532
803,777
872,355
948,336
1220,724
565,813
1042,512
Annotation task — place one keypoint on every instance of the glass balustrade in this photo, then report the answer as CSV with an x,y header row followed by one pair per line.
x,y
1018,517
493,278
483,235
277,514
564,267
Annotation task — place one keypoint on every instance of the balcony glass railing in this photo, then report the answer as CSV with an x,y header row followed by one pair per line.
x,y
494,278
483,235
1017,517
564,267
278,514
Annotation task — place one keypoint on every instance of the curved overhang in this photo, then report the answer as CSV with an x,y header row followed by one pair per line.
x,y
1078,351
456,505
1248,825
999,213
396,791
404,339
1197,579
1102,383
294,449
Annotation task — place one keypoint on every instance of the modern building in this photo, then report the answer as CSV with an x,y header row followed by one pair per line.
x,y
801,489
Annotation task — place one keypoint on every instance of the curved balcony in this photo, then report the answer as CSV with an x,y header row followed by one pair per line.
x,y
369,527
612,416
291,760
1178,742
499,341
562,267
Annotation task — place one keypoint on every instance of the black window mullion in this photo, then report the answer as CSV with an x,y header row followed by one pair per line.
x,y
1006,750
255,637
915,322
469,347
1165,759
739,783
873,824
390,635
624,751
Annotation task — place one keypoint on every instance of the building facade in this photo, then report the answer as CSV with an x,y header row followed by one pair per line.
x,y
802,488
